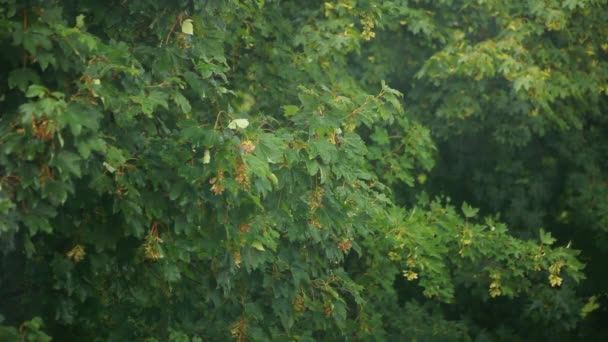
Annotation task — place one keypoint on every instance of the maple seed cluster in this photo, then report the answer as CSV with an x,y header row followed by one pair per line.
x,y
368,27
151,246
299,304
328,309
345,245
217,186
239,330
241,175
244,228
43,129
247,146
45,174
237,259
410,275
495,289
554,270
77,253
316,201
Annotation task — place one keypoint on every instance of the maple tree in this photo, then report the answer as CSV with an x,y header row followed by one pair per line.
x,y
267,170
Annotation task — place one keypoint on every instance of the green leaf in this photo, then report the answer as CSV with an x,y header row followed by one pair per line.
x,y
291,110
270,147
313,167
80,21
21,78
589,307
546,238
469,211
380,136
323,148
67,162
257,166
36,91
181,101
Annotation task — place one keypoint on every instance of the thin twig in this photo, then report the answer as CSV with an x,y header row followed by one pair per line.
x,y
179,18
217,119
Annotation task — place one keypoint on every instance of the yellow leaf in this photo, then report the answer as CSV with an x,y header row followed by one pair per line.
x,y
187,27
238,123
258,245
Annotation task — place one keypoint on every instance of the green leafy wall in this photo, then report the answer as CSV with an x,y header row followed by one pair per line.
x,y
279,170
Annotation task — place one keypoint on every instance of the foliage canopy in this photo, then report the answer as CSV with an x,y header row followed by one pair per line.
x,y
269,170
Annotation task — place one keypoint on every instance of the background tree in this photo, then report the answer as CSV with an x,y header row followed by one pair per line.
x,y
513,94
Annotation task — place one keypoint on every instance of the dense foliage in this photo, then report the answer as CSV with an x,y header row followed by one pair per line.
x,y
271,170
